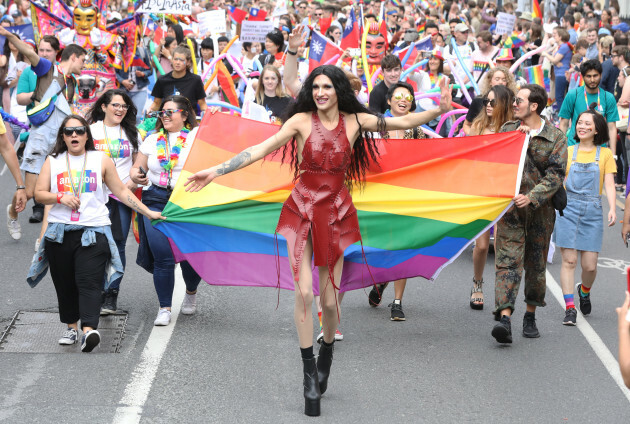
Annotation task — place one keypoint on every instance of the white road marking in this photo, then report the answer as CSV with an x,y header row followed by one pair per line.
x,y
593,339
138,388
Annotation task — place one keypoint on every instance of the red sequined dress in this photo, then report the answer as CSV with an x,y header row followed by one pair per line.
x,y
320,202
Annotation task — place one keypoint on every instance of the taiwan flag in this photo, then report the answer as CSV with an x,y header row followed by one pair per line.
x,y
424,44
321,51
236,14
350,37
255,14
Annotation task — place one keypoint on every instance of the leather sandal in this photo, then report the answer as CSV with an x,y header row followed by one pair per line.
x,y
476,302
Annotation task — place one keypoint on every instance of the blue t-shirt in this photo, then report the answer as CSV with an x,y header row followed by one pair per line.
x,y
574,104
564,65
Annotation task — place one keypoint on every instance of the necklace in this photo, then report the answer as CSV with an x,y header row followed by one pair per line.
x,y
109,146
169,155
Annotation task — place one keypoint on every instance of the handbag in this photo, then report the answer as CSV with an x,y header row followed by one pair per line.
x,y
43,111
559,199
622,123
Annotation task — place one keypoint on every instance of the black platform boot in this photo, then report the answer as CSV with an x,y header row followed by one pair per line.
x,y
324,361
312,395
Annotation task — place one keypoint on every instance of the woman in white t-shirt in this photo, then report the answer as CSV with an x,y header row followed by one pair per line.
x,y
113,126
78,243
160,162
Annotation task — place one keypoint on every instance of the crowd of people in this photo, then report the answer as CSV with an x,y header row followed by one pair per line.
x,y
559,75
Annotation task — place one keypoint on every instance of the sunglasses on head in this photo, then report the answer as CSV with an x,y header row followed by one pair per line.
x,y
492,102
167,113
401,96
68,131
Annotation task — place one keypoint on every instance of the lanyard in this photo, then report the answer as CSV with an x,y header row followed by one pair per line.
x,y
599,107
109,147
65,82
167,151
79,188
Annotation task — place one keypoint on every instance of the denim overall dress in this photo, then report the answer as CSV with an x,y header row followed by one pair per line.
x,y
582,226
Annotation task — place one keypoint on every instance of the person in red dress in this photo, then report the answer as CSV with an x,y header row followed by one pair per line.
x,y
327,134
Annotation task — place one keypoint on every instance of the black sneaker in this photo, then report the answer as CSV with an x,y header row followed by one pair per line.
x,y
376,294
397,312
502,332
570,317
585,300
109,302
90,340
529,326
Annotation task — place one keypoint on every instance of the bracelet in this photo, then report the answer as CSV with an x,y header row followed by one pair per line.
x,y
292,53
20,187
59,196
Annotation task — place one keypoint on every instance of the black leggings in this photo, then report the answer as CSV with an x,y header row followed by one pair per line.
x,y
77,273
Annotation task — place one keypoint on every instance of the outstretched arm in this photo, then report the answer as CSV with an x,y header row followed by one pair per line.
x,y
245,158
411,120
21,46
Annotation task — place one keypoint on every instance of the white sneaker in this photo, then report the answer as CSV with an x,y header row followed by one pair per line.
x,y
189,305
15,229
69,337
163,317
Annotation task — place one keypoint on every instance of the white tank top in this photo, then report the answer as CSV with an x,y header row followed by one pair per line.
x,y
93,212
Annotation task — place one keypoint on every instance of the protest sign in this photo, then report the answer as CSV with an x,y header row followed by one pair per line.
x,y
505,23
255,31
176,7
212,22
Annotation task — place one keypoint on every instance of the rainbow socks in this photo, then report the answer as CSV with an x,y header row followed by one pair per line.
x,y
584,291
568,299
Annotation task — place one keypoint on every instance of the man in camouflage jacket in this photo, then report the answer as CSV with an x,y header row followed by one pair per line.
x,y
524,232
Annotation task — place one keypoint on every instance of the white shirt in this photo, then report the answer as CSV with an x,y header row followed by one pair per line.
x,y
149,148
114,143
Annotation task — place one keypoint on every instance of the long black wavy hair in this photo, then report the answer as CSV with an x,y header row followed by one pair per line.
x,y
128,123
364,150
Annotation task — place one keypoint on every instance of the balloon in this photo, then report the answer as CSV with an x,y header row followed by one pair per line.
x,y
458,79
420,95
235,63
455,125
366,69
375,76
412,68
192,55
406,58
332,59
428,131
526,56
211,65
446,115
226,105
156,61
464,67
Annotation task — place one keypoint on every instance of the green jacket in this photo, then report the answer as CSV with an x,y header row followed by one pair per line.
x,y
549,150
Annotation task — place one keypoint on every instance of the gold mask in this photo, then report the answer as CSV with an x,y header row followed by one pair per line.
x,y
84,20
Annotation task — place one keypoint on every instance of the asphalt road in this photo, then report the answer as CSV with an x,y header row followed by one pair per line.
x,y
237,359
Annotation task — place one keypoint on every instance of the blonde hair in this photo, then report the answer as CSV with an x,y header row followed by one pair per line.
x,y
509,78
260,90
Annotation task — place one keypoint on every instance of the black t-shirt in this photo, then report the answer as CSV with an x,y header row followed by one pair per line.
x,y
189,86
378,98
276,105
475,108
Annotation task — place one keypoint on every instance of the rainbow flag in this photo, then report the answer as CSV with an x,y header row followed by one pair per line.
x,y
536,75
480,66
421,207
536,12
395,2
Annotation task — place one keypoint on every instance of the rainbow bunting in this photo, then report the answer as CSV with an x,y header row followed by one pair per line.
x,y
479,66
424,205
536,75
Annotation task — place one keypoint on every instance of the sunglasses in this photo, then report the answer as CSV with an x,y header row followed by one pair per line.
x,y
400,96
68,131
167,113
492,102
119,106
518,100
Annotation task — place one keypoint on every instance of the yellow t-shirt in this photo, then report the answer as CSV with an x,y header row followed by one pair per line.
x,y
3,129
607,163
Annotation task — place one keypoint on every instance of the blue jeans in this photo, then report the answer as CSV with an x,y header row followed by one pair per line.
x,y
139,98
164,261
124,212
561,88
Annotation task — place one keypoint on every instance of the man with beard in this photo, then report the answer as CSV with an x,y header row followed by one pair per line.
x,y
581,98
523,233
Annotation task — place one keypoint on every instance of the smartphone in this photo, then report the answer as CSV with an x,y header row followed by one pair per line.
x,y
426,55
143,172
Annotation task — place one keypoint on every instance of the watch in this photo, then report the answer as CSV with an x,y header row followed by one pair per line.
x,y
20,187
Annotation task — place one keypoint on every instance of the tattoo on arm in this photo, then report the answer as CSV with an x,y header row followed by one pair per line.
x,y
134,205
235,163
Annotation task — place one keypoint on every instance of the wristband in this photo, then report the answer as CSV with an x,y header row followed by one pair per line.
x,y
59,196
20,187
292,53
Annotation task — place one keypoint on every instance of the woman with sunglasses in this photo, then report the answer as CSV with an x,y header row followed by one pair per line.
x,y
590,168
160,161
113,126
78,244
498,110
401,102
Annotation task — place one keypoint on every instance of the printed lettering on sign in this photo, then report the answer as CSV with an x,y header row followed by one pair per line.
x,y
88,185
176,7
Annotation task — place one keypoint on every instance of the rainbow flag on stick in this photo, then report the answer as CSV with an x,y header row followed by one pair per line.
x,y
536,75
536,13
424,204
